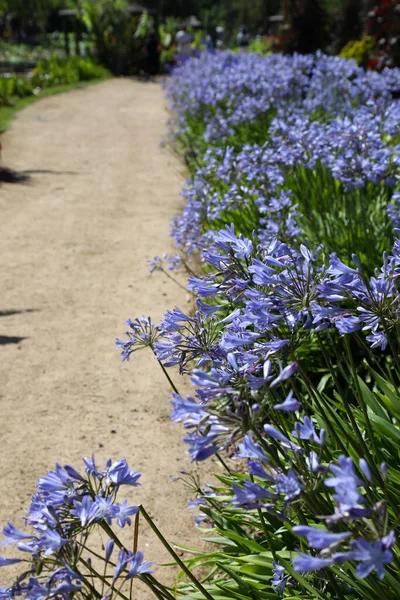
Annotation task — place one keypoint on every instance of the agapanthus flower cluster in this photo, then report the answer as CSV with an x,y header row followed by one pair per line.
x,y
56,553
356,531
226,90
142,333
279,142
292,345
256,310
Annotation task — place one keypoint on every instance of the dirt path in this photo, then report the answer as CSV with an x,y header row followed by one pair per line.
x,y
74,242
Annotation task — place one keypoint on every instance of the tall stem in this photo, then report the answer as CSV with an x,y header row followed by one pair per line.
x,y
174,555
171,383
362,405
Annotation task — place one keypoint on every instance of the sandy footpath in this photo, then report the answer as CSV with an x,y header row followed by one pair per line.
x,y
74,241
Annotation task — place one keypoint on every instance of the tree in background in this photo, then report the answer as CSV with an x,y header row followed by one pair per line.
x,y
27,12
350,23
112,30
383,24
305,26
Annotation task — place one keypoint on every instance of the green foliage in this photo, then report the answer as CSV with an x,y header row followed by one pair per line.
x,y
359,50
24,9
260,45
167,31
54,71
116,34
12,86
47,74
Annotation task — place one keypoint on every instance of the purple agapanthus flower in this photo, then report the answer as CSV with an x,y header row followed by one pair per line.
x,y
306,431
371,556
319,538
304,563
250,449
4,562
13,535
136,565
251,495
118,473
290,404
289,485
125,512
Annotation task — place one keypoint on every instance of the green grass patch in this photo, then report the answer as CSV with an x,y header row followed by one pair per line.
x,y
7,112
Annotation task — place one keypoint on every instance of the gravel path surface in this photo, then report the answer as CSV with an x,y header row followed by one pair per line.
x,y
74,241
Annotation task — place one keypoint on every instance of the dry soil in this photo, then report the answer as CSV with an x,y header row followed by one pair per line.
x,y
74,240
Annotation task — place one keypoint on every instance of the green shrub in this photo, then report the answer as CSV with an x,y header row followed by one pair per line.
x,y
55,71
49,73
360,50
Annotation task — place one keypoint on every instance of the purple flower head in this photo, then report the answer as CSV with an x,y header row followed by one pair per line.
x,y
186,409
227,240
272,432
51,541
279,580
90,467
109,550
124,514
371,557
208,309
202,447
122,561
319,538
289,485
105,509
86,510
290,404
118,473
73,473
4,562
132,562
250,449
57,485
251,495
306,431
365,469
13,535
285,374
304,563
136,565
345,482
142,333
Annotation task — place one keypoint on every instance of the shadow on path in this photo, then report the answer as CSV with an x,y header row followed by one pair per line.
x,y
10,339
10,176
8,313
49,171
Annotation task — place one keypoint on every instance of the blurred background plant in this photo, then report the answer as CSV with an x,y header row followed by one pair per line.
x,y
116,32
360,50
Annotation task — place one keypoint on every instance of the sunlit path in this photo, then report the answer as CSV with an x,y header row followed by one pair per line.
x,y
74,242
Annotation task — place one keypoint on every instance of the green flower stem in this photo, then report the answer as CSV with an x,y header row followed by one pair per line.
x,y
111,534
302,581
136,532
155,591
171,383
100,578
323,406
182,565
183,287
223,463
363,406
162,588
266,532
